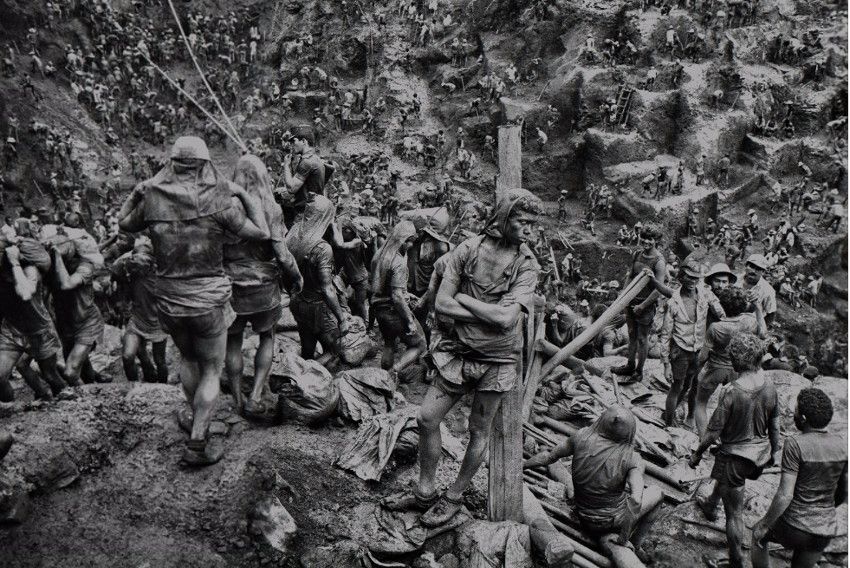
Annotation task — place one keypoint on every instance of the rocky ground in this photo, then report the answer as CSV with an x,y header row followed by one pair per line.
x,y
101,471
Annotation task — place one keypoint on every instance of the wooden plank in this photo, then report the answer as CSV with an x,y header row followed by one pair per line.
x,y
510,159
555,549
532,380
504,500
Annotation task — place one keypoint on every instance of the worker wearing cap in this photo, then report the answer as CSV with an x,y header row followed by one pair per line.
x,y
193,291
759,289
719,277
682,336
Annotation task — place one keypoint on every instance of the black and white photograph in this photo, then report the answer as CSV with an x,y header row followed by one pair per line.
x,y
423,283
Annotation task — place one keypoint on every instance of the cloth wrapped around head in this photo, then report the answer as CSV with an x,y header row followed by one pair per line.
x,y
403,231
252,174
617,424
497,224
168,198
309,231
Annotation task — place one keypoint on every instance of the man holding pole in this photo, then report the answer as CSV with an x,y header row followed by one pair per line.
x,y
488,282
641,311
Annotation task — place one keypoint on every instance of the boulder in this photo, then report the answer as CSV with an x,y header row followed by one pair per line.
x,y
270,519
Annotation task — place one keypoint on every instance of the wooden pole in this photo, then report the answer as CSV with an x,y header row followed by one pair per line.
x,y
629,293
504,501
555,549
510,159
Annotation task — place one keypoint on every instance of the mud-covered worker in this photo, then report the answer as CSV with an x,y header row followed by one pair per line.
x,y
135,271
682,336
430,245
256,269
488,282
801,516
78,319
350,253
716,366
607,474
303,173
563,325
746,422
758,289
389,300
316,309
189,209
435,325
26,326
641,311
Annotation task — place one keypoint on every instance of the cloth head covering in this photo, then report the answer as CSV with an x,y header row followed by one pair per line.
x,y
383,260
309,231
252,174
497,225
617,424
169,198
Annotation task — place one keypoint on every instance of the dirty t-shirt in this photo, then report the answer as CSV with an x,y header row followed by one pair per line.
x,y
189,258
720,333
818,458
320,260
765,295
30,317
396,278
253,270
742,418
600,469
309,168
75,307
421,264
481,341
135,270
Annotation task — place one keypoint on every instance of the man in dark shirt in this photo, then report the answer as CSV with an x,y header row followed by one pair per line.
x,y
814,482
746,422
303,174
641,311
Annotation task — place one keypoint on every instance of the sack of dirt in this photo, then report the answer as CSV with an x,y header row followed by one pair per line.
x,y
307,391
435,218
355,345
75,244
364,392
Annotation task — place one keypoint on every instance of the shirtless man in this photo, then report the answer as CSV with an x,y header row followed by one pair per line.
x,y
193,291
488,282
641,311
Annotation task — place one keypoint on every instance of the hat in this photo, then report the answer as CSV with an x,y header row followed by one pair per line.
x,y
584,303
190,148
691,268
751,212
614,284
719,269
758,260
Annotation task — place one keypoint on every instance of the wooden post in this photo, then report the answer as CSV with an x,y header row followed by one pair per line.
x,y
504,502
510,159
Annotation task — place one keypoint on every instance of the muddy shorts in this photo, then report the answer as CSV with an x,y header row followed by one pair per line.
x,y
793,538
87,332
39,346
476,376
734,471
315,318
713,377
684,365
260,321
644,319
393,327
207,325
146,331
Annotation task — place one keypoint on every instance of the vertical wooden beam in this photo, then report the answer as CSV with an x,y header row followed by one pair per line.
x,y
510,159
504,502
